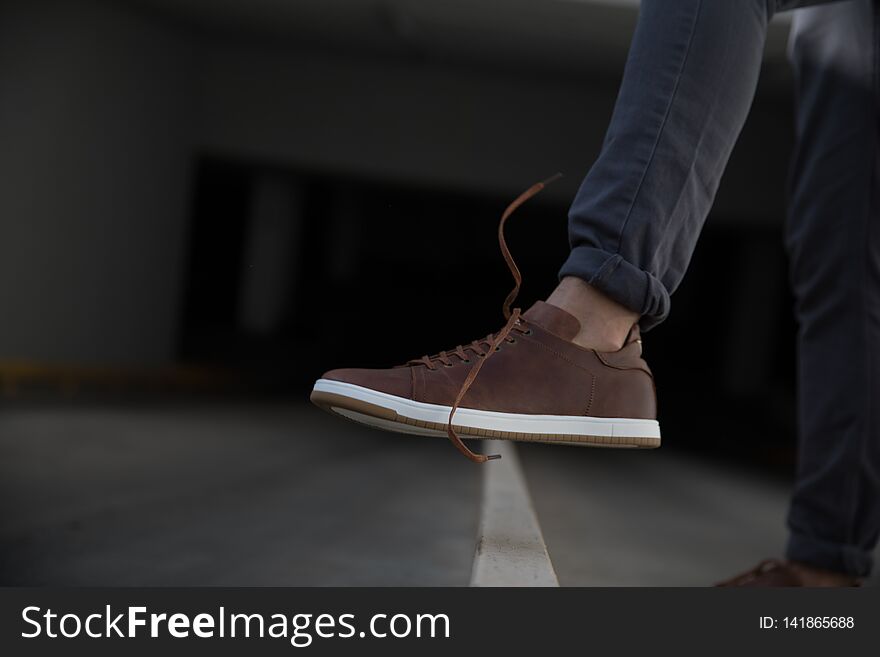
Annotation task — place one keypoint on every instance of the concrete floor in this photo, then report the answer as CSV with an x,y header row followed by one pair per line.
x,y
653,517
259,494
227,495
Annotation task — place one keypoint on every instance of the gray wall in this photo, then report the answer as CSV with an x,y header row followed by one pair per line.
x,y
94,178
103,114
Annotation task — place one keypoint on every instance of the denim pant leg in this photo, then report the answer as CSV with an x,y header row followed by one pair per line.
x,y
687,87
833,238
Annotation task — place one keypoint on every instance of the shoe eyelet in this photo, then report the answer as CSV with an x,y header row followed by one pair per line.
x,y
511,341
448,365
497,348
481,355
466,360
528,332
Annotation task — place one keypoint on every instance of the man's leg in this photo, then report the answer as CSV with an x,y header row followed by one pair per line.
x,y
687,88
833,237
689,81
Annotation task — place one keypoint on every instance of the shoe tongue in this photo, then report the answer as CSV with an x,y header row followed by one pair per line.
x,y
553,319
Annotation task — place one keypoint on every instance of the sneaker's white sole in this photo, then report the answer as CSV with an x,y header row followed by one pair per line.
x,y
392,413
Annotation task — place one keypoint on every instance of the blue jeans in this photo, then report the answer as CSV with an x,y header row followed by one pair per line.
x,y
633,226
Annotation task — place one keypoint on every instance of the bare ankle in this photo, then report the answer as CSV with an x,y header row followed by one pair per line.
x,y
604,322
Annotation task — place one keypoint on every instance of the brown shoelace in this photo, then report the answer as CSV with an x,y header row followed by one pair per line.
x,y
491,341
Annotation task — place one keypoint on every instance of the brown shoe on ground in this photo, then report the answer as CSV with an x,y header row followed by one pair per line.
x,y
528,382
772,573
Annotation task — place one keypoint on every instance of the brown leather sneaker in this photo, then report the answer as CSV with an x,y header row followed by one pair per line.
x,y
773,573
528,382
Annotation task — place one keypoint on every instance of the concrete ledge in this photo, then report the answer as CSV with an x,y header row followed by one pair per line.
x,y
510,546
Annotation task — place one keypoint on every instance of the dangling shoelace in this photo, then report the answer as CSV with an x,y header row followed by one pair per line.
x,y
492,341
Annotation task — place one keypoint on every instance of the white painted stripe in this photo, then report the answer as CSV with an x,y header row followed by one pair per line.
x,y
510,546
513,422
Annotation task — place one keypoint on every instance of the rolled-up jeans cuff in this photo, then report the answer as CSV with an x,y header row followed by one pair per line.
x,y
628,285
837,557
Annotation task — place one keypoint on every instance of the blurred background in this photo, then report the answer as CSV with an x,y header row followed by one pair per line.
x,y
206,204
